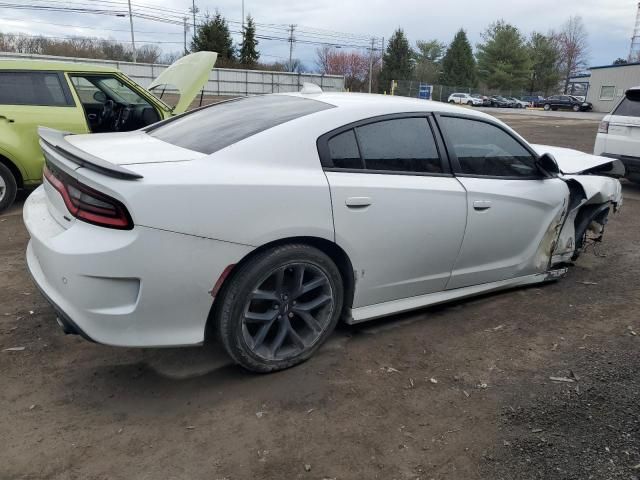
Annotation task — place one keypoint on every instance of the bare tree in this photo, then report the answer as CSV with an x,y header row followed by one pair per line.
x,y
574,48
353,65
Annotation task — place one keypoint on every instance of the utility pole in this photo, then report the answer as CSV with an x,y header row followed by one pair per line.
x,y
133,40
371,64
186,27
291,40
194,10
242,22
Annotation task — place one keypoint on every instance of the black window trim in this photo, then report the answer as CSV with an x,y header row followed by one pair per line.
x,y
70,102
457,170
322,144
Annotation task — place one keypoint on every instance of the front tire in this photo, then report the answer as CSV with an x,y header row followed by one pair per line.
x,y
8,188
547,107
279,307
576,108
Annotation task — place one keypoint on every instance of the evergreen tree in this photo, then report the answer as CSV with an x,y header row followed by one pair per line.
x,y
398,62
544,53
503,58
249,54
213,35
458,64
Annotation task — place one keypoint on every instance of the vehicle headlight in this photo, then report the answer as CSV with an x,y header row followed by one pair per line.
x,y
585,104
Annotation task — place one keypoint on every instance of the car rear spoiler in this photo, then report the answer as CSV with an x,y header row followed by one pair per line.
x,y
55,140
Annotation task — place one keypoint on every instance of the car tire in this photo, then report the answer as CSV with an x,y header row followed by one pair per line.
x,y
260,320
576,108
547,107
8,188
452,101
470,103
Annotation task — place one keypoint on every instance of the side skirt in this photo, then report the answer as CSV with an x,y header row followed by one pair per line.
x,y
370,312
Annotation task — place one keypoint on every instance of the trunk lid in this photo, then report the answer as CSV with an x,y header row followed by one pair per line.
x,y
188,75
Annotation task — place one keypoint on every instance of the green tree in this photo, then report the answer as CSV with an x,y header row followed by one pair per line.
x,y
544,53
397,61
620,61
458,64
214,36
503,58
428,58
249,48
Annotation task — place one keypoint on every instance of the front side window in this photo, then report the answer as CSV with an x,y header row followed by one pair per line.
x,y
32,88
487,150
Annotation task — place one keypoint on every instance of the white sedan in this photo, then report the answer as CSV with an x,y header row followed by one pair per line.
x,y
265,220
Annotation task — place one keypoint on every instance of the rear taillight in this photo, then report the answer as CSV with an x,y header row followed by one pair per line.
x,y
87,204
603,127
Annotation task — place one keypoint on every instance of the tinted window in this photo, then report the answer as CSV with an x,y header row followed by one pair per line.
x,y
212,128
484,149
31,88
404,145
344,151
629,107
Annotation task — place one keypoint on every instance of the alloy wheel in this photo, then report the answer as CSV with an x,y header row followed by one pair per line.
x,y
3,188
287,311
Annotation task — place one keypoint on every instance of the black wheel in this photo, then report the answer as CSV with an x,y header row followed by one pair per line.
x,y
279,307
8,188
452,101
547,107
470,103
576,108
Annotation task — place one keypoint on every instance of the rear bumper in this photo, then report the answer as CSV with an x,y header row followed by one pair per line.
x,y
142,287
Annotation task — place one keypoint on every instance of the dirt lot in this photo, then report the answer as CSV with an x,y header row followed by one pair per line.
x,y
457,392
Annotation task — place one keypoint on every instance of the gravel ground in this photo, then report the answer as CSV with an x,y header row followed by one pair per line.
x,y
458,391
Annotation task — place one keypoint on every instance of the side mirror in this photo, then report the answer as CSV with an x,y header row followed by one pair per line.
x,y
100,96
548,163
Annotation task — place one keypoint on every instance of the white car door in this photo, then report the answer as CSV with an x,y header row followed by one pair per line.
x,y
514,210
398,211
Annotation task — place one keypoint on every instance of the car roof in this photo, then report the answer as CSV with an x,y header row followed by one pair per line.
x,y
388,103
48,65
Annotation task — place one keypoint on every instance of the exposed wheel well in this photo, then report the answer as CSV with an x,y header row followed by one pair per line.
x,y
14,170
334,251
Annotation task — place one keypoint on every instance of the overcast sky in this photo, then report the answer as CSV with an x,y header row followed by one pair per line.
x,y
609,23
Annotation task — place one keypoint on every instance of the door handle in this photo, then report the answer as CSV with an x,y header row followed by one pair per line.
x,y
358,202
481,205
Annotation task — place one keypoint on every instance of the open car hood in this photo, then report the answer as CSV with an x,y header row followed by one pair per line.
x,y
573,162
189,75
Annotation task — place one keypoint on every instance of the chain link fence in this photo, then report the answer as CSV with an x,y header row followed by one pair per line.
x,y
440,93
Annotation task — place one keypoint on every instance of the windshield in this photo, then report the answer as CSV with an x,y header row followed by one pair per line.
x,y
215,127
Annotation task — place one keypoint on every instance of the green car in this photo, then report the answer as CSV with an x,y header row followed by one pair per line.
x,y
80,98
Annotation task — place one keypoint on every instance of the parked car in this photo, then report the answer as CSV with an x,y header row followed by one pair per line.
x,y
517,103
534,100
79,98
486,101
464,99
265,220
566,102
619,134
501,102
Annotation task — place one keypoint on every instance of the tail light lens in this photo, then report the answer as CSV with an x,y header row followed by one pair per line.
x,y
603,127
88,204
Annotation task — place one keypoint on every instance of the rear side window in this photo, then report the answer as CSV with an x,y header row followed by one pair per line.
x,y
32,88
215,127
402,145
487,150
630,106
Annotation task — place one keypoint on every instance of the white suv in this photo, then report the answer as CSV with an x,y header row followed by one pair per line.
x,y
464,99
619,134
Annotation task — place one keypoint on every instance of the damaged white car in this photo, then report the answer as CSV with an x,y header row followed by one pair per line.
x,y
264,221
